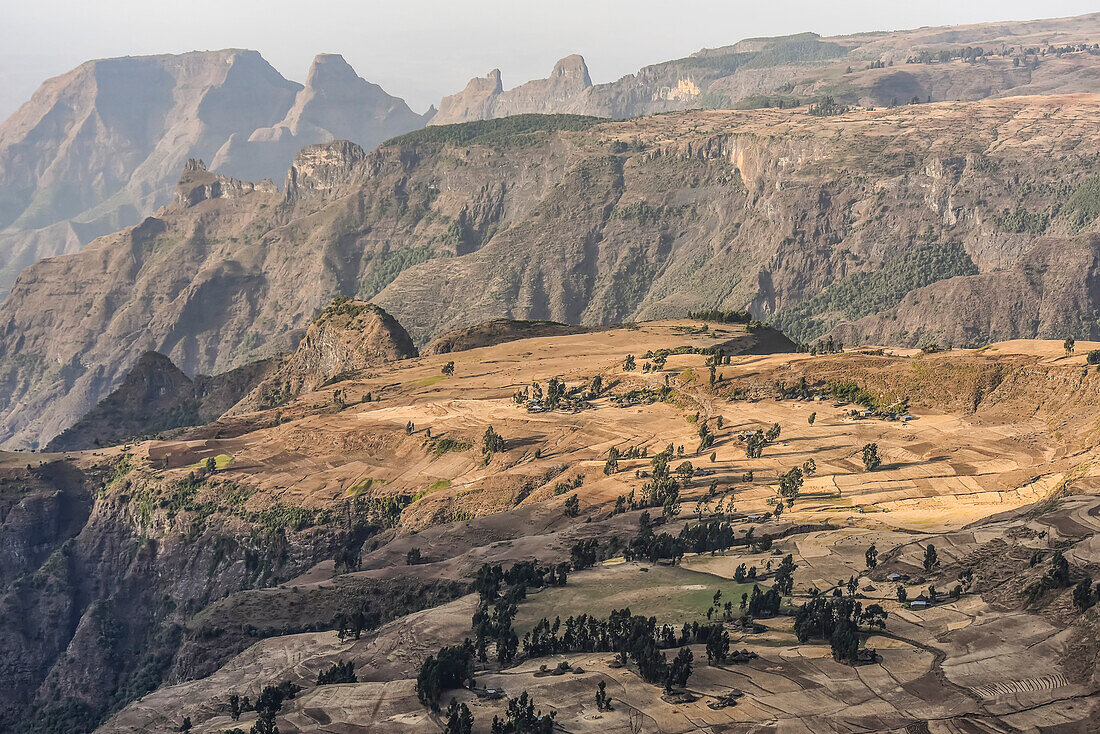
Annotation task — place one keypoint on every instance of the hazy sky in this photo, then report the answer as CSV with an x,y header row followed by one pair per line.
x,y
423,49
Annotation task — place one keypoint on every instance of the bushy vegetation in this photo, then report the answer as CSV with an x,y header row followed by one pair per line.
x,y
722,317
860,294
442,445
386,265
501,131
827,107
339,672
1022,221
1083,206
444,671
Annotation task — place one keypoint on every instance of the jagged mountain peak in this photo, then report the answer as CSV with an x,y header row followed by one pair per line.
x,y
573,66
194,165
335,104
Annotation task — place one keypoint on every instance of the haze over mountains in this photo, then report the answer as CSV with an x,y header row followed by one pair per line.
x,y
101,147
956,222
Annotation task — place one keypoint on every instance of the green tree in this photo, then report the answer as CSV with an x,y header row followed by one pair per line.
x,y
572,506
1082,594
872,556
339,672
211,465
1069,345
871,460
902,594
790,484
448,369
629,364
931,558
492,442
612,464
812,418
459,719
718,646
679,670
603,703
784,575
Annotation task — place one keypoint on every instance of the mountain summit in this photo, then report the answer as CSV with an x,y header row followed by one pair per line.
x,y
484,97
335,104
100,147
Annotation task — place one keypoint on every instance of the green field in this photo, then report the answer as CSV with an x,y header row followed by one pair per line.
x,y
672,594
220,462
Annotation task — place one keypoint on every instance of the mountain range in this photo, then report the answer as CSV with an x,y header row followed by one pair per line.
x,y
844,203
101,147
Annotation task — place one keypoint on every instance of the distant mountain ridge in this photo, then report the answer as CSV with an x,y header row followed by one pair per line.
x,y
869,69
101,147
806,216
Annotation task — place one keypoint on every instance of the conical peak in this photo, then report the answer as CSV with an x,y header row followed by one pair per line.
x,y
328,69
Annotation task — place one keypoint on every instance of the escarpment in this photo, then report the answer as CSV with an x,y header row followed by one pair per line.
x,y
813,223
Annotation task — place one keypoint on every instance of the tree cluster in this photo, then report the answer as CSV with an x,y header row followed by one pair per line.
x,y
838,620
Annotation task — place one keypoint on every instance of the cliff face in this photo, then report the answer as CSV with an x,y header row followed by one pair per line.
x,y
816,222
156,396
1054,289
101,147
104,565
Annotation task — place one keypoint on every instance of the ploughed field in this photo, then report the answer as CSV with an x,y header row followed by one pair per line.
x,y
993,462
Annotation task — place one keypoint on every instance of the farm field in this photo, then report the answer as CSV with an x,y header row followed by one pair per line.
x,y
997,487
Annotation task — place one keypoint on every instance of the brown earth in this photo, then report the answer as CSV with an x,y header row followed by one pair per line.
x,y
987,483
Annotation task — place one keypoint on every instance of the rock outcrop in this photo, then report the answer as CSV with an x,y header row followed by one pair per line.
x,y
484,98
322,168
348,336
197,184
